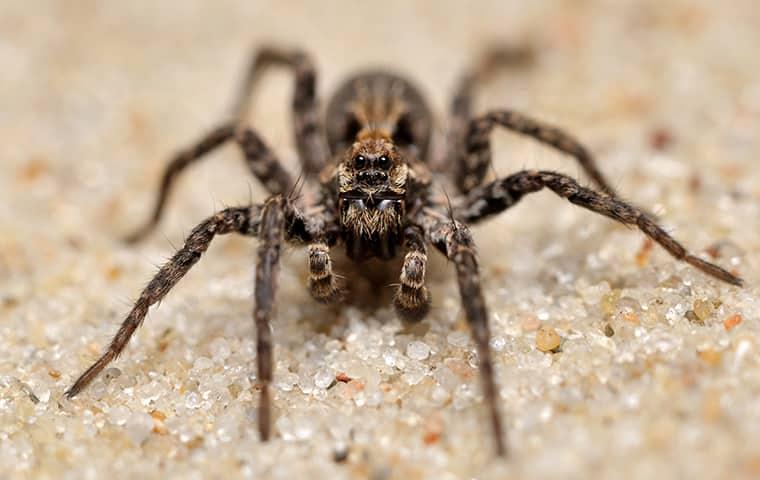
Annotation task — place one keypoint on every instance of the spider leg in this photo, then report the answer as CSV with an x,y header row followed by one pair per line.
x,y
497,196
477,156
260,160
243,220
323,284
271,236
454,240
308,129
469,150
178,163
412,299
309,135
462,103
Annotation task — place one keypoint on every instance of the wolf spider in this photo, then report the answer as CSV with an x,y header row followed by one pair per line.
x,y
368,185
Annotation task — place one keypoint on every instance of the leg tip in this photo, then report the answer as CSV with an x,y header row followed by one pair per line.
x,y
714,270
135,237
501,451
326,294
71,392
412,312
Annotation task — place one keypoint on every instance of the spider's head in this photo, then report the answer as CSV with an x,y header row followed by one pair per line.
x,y
371,195
372,170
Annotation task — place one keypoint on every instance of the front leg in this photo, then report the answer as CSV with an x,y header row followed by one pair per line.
x,y
270,236
455,241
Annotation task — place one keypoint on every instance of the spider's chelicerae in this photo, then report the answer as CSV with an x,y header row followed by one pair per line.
x,y
370,187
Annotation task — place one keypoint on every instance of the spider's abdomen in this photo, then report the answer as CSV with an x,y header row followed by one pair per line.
x,y
377,100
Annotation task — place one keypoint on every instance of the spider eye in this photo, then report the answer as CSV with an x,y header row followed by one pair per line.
x,y
360,161
383,162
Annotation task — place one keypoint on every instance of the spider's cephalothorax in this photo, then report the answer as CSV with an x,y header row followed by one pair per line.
x,y
371,190
371,197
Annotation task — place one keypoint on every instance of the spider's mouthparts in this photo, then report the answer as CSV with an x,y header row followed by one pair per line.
x,y
377,204
363,200
369,198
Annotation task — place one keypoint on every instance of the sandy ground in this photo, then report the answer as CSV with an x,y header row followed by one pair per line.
x,y
658,369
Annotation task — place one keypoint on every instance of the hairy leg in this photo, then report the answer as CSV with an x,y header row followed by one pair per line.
x,y
263,163
308,130
309,134
178,163
323,284
412,300
453,239
497,196
270,240
260,160
494,59
477,156
243,220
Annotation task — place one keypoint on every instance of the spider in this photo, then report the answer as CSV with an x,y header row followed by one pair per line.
x,y
371,186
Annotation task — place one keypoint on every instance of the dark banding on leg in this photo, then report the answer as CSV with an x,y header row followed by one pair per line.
x,y
323,284
494,59
263,163
412,299
310,139
478,146
497,196
177,165
308,130
260,160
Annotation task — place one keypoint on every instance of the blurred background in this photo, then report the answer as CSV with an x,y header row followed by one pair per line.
x,y
95,96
